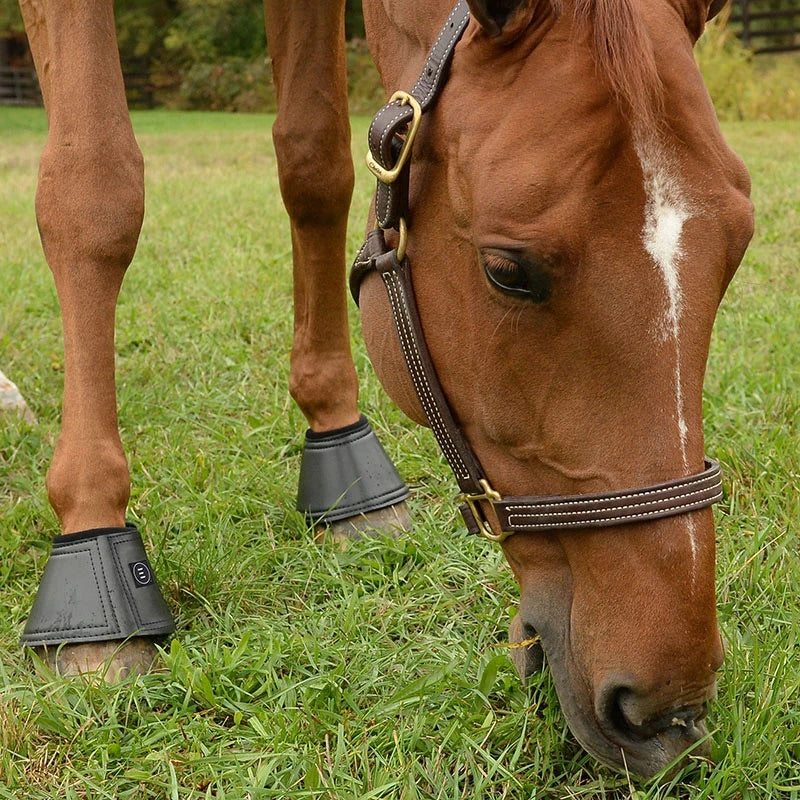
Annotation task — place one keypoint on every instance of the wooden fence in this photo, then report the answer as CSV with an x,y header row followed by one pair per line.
x,y
767,26
19,86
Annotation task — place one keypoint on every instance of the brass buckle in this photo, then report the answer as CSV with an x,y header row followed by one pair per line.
x,y
484,528
403,243
390,175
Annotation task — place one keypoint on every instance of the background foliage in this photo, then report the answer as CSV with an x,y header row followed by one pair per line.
x,y
210,54
744,86
207,54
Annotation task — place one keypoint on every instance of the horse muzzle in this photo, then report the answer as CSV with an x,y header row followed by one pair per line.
x,y
649,741
641,731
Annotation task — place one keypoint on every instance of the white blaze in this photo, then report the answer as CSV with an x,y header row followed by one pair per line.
x,y
666,211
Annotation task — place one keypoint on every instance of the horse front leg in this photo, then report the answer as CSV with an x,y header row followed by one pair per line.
x,y
347,482
97,589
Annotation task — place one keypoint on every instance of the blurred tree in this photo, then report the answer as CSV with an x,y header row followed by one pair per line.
x,y
192,31
140,30
212,31
199,53
10,18
353,20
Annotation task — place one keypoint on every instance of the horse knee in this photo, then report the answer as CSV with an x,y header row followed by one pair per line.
x,y
90,201
315,170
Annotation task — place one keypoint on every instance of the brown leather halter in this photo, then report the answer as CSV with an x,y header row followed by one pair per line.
x,y
485,511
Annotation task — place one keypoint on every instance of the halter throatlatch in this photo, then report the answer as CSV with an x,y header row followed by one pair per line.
x,y
485,511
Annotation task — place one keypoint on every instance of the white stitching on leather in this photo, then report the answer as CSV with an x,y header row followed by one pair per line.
x,y
608,520
596,506
388,187
389,126
696,483
413,360
456,33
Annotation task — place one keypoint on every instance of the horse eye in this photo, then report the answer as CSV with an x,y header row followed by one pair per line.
x,y
505,274
516,276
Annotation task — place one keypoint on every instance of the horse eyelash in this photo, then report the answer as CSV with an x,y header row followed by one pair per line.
x,y
497,263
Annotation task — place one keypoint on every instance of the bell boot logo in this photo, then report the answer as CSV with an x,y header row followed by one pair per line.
x,y
142,574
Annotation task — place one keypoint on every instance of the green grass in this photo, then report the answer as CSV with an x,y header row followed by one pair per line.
x,y
380,672
744,86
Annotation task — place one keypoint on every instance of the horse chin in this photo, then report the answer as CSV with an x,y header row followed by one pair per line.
x,y
658,746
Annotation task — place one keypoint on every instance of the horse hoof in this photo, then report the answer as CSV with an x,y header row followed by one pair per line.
x,y
110,661
526,649
391,521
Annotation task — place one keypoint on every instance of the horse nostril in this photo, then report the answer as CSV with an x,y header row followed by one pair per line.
x,y
653,727
635,719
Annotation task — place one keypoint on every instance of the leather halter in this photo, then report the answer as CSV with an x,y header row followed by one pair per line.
x,y
485,511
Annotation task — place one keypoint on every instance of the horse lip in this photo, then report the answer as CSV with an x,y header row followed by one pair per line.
x,y
645,756
659,743
647,750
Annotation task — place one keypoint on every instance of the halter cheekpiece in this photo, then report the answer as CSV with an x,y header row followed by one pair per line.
x,y
485,511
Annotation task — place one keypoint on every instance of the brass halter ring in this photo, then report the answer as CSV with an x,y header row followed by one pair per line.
x,y
484,527
389,176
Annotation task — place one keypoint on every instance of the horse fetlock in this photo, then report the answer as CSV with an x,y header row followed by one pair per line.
x,y
326,392
90,202
88,486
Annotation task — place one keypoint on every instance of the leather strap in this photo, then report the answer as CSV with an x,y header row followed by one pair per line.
x,y
581,511
392,122
485,511
375,255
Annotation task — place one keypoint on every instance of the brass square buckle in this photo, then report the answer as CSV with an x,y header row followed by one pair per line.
x,y
383,174
484,527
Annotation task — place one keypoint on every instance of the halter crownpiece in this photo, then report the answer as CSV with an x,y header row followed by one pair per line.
x,y
485,511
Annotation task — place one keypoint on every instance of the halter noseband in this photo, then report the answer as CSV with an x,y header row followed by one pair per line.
x,y
485,511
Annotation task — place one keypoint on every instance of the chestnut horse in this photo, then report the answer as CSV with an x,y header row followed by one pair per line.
x,y
575,217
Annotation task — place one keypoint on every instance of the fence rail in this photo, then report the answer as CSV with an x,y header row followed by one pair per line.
x,y
766,29
19,86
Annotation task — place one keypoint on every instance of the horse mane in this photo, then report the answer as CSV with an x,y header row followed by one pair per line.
x,y
623,53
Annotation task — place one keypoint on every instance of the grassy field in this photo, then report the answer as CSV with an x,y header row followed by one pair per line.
x,y
381,672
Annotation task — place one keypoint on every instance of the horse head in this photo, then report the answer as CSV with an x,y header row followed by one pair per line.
x,y
575,219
